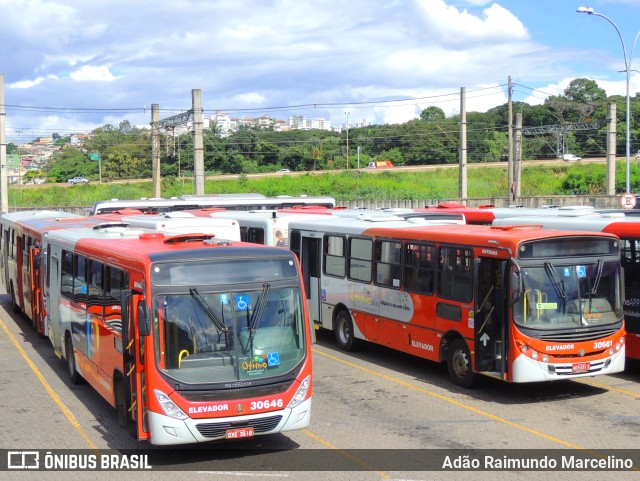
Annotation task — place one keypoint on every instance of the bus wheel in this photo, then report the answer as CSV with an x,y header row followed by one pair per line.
x,y
14,305
344,331
459,364
74,375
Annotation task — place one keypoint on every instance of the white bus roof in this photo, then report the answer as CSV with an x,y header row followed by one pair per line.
x,y
11,218
184,223
346,225
592,222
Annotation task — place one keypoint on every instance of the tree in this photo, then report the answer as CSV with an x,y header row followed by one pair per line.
x,y
585,91
432,114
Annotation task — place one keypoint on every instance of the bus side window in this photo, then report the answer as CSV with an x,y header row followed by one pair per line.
x,y
334,256
66,281
388,263
95,303
360,259
80,280
115,283
419,268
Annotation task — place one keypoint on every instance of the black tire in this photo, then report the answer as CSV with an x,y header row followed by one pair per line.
x,y
460,365
14,304
74,375
345,335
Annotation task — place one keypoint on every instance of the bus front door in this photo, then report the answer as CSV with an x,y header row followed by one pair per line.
x,y
490,323
36,294
131,394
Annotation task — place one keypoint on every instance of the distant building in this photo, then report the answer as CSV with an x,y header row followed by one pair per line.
x,y
321,124
298,122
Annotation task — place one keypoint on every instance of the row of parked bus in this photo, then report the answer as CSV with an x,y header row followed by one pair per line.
x,y
196,324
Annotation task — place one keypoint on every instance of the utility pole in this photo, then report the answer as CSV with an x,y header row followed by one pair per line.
x,y
511,186
611,150
198,144
518,156
463,145
4,184
347,114
155,151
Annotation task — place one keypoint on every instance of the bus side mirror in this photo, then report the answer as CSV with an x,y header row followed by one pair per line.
x,y
516,286
143,320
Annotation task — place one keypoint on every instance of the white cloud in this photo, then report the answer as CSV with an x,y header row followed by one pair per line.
x,y
89,73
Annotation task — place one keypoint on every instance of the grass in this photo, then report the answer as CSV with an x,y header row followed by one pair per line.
x,y
483,182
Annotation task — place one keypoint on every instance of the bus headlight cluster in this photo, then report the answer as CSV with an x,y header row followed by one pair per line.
x,y
301,393
532,353
168,406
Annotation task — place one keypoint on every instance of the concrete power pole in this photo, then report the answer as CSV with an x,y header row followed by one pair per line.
x,y
198,149
510,186
155,151
611,150
463,145
518,155
4,184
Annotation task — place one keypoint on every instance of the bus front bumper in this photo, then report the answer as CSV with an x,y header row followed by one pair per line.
x,y
168,431
525,369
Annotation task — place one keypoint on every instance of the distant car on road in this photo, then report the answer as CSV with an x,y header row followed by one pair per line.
x,y
283,171
78,180
571,158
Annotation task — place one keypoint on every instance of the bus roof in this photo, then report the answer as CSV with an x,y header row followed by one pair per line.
x,y
133,243
27,215
591,222
439,231
346,225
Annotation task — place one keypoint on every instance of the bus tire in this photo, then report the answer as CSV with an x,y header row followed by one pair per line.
x,y
74,375
345,336
14,304
459,364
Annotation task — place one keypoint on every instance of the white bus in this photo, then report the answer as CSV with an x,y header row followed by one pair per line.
x,y
227,201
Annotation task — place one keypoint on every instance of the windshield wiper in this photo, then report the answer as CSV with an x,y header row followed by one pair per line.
x,y
558,285
256,317
257,312
210,314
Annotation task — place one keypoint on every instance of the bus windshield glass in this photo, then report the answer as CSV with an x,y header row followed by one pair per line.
x,y
225,336
556,296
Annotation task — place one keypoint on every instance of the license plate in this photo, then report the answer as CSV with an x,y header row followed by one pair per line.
x,y
239,433
581,367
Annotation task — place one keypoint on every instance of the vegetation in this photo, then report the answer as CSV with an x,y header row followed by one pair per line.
x,y
433,139
432,185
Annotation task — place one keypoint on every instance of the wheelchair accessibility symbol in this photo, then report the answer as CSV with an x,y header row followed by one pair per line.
x,y
273,359
581,271
242,303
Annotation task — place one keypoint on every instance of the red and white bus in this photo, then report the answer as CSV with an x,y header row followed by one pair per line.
x,y
627,228
190,338
518,304
22,238
227,201
24,245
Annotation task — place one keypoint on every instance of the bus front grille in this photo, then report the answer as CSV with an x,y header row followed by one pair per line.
x,y
218,430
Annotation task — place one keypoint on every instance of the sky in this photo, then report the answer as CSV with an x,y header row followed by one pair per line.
x,y
73,65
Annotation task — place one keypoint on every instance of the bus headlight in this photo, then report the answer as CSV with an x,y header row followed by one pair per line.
x,y
301,393
545,358
534,354
168,406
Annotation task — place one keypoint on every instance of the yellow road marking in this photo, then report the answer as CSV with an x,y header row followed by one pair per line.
x,y
47,387
604,386
346,454
450,401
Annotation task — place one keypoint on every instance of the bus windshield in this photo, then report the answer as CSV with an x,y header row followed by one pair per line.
x,y
212,337
557,296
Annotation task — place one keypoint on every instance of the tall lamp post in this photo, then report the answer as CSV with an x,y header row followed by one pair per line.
x,y
627,70
347,114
